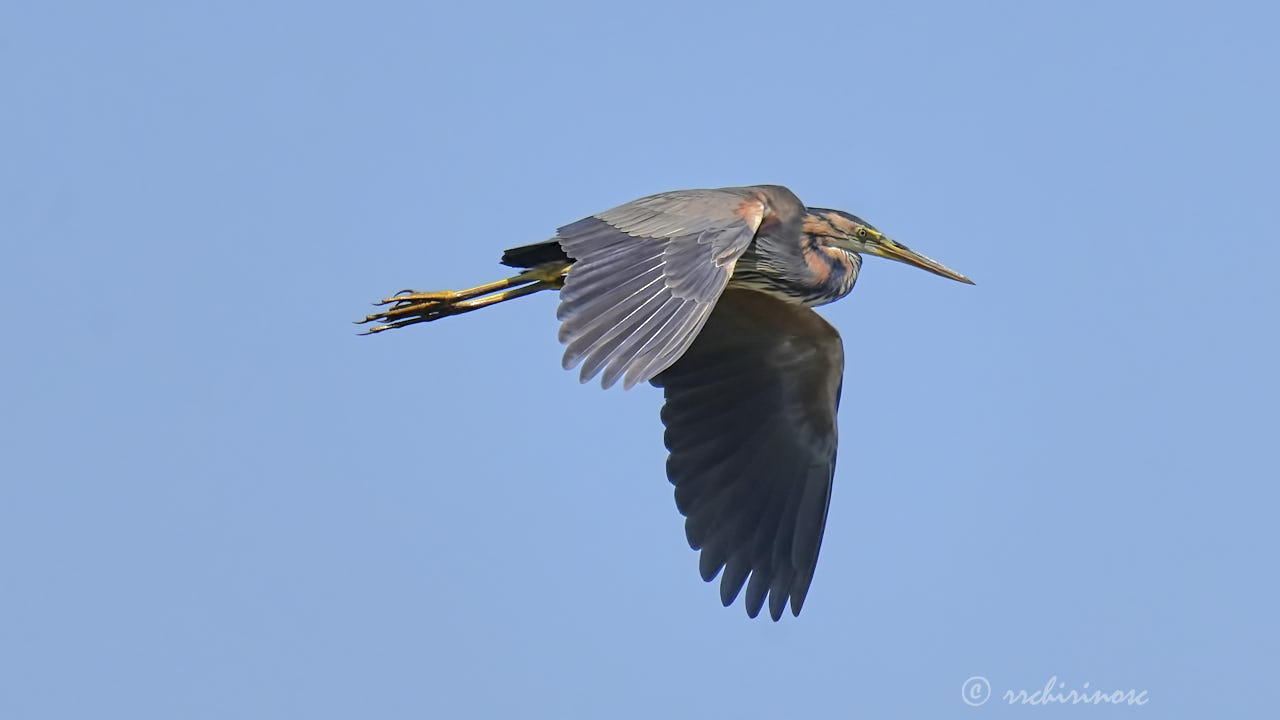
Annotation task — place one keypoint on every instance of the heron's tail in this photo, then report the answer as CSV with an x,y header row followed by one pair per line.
x,y
408,307
529,256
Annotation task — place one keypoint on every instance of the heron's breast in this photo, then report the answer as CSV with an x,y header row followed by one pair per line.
x,y
831,272
814,276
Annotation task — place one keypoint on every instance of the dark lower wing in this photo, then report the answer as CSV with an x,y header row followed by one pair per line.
x,y
751,427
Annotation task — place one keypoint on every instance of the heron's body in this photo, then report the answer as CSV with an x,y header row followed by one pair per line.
x,y
707,294
809,272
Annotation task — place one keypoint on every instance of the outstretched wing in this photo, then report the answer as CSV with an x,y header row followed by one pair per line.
x,y
751,426
647,274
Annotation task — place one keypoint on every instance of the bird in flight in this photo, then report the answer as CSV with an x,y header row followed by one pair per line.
x,y
708,294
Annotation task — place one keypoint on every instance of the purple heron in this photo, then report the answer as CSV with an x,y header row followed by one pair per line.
x,y
708,294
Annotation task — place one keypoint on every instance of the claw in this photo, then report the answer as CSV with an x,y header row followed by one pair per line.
x,y
413,296
414,308
398,324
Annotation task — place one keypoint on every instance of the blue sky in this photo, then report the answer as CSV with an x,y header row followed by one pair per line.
x,y
217,501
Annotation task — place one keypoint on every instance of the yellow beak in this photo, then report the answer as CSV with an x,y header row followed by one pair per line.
x,y
888,248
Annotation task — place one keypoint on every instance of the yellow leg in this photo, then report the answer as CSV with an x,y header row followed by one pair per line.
x,y
410,308
450,296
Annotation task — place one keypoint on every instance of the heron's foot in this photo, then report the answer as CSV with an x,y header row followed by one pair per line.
x,y
409,308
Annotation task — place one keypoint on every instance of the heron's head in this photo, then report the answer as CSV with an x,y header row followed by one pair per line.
x,y
851,233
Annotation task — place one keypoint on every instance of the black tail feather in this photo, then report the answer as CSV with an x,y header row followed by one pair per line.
x,y
527,256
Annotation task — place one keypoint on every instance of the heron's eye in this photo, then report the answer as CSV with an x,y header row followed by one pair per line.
x,y
862,232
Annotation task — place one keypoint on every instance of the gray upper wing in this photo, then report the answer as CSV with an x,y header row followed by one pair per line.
x,y
751,428
648,273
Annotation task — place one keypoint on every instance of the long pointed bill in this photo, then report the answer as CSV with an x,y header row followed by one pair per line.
x,y
887,248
